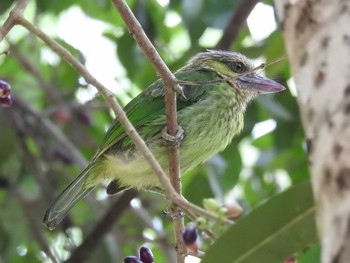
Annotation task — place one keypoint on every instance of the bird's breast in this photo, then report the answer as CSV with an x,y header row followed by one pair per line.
x,y
209,127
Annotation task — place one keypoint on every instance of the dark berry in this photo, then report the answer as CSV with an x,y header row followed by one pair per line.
x,y
190,235
132,259
5,89
84,117
146,255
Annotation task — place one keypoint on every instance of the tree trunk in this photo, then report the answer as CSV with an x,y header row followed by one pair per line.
x,y
317,38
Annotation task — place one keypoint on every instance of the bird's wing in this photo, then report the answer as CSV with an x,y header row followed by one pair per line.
x,y
149,105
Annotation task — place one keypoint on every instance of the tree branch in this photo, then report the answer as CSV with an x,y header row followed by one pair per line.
x,y
238,18
169,81
91,241
10,22
122,118
111,101
173,196
124,121
53,130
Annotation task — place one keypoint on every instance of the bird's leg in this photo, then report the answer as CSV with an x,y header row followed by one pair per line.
x,y
179,136
174,212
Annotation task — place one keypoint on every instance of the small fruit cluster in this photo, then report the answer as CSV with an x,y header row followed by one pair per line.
x,y
5,94
229,210
145,256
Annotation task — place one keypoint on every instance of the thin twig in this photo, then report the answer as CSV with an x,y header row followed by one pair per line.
x,y
238,18
10,22
75,156
170,108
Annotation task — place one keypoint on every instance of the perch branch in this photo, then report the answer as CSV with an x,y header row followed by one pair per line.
x,y
122,118
170,85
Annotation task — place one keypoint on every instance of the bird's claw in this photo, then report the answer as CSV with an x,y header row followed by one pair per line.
x,y
176,213
173,139
180,90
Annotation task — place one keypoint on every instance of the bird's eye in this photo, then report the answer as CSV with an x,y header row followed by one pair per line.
x,y
238,67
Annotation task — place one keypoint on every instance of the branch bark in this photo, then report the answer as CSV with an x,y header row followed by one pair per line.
x,y
238,18
91,241
169,81
10,22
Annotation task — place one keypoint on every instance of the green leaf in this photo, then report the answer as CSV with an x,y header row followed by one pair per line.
x,y
270,233
312,255
198,180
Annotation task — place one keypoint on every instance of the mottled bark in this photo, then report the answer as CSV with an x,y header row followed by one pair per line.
x,y
317,37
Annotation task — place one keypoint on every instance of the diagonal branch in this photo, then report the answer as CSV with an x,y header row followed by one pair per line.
x,y
238,18
122,118
84,251
112,102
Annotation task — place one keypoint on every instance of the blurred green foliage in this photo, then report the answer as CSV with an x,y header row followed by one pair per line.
x,y
34,167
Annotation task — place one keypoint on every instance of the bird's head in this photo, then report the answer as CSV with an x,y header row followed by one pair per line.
x,y
233,66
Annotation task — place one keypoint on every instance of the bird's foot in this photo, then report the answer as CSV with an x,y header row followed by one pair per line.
x,y
179,89
179,136
157,190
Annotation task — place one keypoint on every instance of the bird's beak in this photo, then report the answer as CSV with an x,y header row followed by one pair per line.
x,y
261,84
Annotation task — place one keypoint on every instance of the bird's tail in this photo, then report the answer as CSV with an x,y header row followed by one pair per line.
x,y
66,200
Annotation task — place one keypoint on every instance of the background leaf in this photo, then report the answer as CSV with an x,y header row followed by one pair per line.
x,y
271,232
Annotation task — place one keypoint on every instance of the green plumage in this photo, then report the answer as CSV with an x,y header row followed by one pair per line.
x,y
210,115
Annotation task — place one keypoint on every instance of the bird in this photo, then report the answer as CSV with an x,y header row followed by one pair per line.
x,y
216,88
